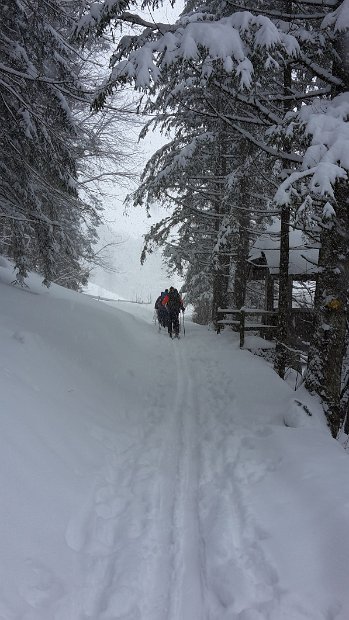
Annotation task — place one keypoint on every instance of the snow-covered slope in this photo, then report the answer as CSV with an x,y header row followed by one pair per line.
x,y
146,479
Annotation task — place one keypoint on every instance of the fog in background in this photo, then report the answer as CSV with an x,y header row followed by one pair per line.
x,y
124,227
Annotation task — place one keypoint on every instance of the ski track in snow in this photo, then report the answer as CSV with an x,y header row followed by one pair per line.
x,y
191,549
187,598
150,479
166,532
137,537
154,573
119,528
232,550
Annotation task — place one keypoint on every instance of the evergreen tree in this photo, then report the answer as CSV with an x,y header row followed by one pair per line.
x,y
286,76
41,211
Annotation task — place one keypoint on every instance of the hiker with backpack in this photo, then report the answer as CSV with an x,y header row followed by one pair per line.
x,y
161,310
173,302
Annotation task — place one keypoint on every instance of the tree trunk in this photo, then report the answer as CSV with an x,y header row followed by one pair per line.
x,y
241,266
326,354
221,258
327,351
220,287
345,388
284,297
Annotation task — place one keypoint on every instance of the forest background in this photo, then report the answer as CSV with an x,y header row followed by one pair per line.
x,y
253,100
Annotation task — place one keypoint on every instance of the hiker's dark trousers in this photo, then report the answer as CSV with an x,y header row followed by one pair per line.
x,y
173,322
163,316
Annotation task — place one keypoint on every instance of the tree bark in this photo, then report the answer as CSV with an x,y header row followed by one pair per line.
x,y
327,351
221,258
326,354
284,298
241,266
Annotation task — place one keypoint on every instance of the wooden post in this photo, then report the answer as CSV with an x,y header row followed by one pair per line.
x,y
290,291
269,292
242,328
219,327
269,305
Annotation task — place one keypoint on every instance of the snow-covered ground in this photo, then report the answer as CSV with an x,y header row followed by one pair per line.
x,y
149,479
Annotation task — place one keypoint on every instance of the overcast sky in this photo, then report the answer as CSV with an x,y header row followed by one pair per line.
x,y
130,226
136,222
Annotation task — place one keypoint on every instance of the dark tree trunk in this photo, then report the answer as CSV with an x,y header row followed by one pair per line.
x,y
221,258
220,287
327,352
345,388
242,250
241,269
284,297
326,355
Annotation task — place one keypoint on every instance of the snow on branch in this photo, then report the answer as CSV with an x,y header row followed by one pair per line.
x,y
231,40
326,160
99,16
338,19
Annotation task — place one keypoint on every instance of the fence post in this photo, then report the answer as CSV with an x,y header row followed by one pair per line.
x,y
242,328
219,327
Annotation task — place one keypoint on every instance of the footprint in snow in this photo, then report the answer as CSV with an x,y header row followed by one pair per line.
x,y
113,508
19,336
250,614
248,442
264,431
38,585
110,503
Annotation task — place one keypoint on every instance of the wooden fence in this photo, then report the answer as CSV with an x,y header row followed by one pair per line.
x,y
239,323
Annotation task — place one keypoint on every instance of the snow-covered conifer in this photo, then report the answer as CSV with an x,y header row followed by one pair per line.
x,y
282,68
40,208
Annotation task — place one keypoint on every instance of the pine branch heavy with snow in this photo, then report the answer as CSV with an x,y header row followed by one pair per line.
x,y
301,122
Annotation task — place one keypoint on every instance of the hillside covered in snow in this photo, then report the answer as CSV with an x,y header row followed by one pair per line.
x,y
147,479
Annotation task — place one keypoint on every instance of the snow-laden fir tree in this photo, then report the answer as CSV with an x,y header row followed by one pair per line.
x,y
54,152
41,213
209,171
288,75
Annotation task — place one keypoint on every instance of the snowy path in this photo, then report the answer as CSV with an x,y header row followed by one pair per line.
x,y
169,530
238,577
150,479
187,580
144,544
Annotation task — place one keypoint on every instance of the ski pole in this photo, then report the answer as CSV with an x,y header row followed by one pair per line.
x,y
183,324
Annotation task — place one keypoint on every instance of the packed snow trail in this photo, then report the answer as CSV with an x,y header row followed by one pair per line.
x,y
152,538
187,578
187,545
151,479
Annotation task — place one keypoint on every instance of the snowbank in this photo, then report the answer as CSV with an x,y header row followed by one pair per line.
x,y
146,479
